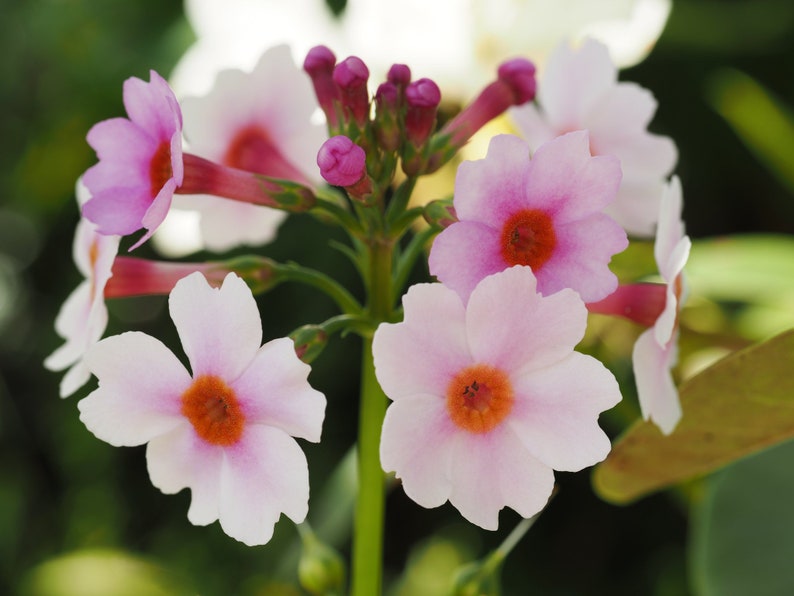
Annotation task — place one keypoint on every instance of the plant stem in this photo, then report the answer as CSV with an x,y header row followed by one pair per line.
x,y
368,532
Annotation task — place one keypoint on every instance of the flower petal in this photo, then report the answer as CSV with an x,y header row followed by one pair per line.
x,y
555,412
152,106
180,459
492,189
118,210
140,384
509,325
656,390
423,353
464,253
581,258
220,328
274,391
566,180
494,470
263,475
417,442
574,81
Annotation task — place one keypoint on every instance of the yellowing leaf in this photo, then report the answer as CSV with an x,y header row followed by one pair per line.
x,y
738,406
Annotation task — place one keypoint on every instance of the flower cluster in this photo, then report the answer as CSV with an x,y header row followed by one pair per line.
x,y
488,394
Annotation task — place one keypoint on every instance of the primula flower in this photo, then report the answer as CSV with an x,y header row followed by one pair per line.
x,y
226,431
140,161
545,213
656,350
83,317
489,397
579,90
258,121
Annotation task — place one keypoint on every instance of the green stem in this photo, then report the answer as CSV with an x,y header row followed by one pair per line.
x,y
368,532
305,275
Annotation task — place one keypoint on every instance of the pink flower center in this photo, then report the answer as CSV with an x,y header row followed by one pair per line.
x,y
528,238
213,410
160,170
479,397
252,150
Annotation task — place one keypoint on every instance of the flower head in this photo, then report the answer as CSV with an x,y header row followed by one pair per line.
x,y
84,316
226,430
140,161
545,213
258,121
656,350
489,397
579,91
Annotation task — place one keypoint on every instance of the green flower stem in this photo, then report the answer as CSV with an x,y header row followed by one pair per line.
x,y
294,272
407,260
368,530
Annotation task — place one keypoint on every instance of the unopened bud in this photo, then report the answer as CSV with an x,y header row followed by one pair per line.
x,y
440,213
399,75
319,65
310,341
351,76
519,75
321,570
341,161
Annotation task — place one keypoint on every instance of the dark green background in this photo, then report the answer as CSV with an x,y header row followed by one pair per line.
x,y
61,490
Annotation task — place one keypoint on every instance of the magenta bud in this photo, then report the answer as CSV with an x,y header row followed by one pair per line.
x,y
351,72
387,96
341,161
423,93
422,98
519,75
319,65
351,76
319,59
399,75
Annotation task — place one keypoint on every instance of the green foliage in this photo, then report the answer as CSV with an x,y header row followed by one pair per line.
x,y
742,538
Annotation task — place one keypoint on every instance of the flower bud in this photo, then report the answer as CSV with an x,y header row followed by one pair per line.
x,y
341,161
351,77
440,213
310,341
422,98
519,75
399,75
319,65
387,117
321,570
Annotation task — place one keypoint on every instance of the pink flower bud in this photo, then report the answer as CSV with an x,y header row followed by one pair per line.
x,y
422,98
399,75
319,65
351,77
519,75
341,161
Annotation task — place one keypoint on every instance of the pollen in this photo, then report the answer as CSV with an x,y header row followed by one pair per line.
x,y
213,410
528,238
160,170
479,397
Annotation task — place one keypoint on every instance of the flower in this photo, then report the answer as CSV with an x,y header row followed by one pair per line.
x,y
656,350
341,161
489,397
83,317
140,161
258,121
544,212
578,91
226,431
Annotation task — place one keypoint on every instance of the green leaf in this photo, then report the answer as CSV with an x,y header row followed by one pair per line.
x,y
742,537
738,406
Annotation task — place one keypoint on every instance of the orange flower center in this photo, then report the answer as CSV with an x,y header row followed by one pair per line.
x,y
160,170
528,238
479,397
213,410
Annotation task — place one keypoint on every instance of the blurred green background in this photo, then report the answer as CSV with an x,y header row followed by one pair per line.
x,y
75,512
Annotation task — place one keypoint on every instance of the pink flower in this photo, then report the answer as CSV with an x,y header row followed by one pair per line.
x,y
140,161
489,397
258,121
545,213
83,317
579,90
341,161
226,431
656,350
